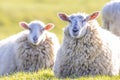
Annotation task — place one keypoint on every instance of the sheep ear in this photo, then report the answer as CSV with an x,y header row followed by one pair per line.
x,y
63,17
24,25
49,26
93,16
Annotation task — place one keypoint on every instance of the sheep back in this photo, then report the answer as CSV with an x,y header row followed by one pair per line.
x,y
111,16
7,53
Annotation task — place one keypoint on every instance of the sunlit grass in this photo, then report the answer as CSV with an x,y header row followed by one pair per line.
x,y
48,75
14,11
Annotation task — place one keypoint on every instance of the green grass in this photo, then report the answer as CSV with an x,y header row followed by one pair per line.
x,y
48,75
14,11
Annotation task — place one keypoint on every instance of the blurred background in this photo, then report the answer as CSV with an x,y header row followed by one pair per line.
x,y
14,11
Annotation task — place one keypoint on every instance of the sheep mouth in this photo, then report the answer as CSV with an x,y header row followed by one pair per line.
x,y
75,33
35,43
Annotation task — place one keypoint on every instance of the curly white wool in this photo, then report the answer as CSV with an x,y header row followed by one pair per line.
x,y
28,50
87,49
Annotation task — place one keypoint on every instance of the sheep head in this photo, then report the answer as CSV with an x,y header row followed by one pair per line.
x,y
36,30
78,23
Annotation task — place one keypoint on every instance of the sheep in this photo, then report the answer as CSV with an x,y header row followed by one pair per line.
x,y
111,16
29,50
86,49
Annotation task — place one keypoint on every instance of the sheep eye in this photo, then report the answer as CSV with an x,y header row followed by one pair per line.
x,y
83,20
69,20
30,29
42,30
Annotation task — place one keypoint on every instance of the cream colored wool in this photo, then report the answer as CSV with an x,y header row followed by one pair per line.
x,y
18,53
96,53
31,57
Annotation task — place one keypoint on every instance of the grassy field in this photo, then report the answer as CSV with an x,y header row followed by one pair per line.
x,y
48,75
14,11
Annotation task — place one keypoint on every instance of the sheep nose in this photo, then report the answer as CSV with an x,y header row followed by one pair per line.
x,y
35,38
75,30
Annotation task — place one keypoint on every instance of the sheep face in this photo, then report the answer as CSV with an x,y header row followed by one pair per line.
x,y
78,23
36,31
76,26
